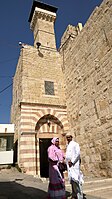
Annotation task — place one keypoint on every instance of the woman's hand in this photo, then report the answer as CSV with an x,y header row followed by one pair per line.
x,y
53,161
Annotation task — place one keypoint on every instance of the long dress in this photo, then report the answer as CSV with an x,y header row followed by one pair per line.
x,y
56,188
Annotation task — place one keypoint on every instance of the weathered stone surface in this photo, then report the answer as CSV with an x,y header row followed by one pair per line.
x,y
87,67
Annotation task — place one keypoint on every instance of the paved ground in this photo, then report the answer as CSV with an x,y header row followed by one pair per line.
x,y
15,185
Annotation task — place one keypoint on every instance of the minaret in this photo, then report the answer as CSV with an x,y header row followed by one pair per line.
x,y
39,103
42,18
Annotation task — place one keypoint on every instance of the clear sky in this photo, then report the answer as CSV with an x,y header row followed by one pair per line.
x,y
14,27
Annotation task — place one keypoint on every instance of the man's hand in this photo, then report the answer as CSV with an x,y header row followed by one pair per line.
x,y
70,163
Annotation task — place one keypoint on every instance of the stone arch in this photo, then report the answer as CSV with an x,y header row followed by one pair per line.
x,y
60,114
48,119
44,132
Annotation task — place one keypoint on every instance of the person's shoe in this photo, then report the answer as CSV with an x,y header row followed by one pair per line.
x,y
84,196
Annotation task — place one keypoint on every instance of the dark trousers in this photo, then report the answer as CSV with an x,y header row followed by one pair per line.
x,y
75,188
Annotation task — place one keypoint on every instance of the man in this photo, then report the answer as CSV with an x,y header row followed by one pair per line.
x,y
73,164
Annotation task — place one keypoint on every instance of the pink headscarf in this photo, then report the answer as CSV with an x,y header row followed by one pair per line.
x,y
54,152
54,140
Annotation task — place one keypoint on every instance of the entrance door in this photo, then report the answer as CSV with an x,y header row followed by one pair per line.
x,y
44,164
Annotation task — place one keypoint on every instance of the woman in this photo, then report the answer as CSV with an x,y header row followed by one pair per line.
x,y
56,189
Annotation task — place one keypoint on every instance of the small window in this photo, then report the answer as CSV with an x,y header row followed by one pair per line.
x,y
6,143
49,88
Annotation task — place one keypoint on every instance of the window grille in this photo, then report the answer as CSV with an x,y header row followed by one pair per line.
x,y
49,88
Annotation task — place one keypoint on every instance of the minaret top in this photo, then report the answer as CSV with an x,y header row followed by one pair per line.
x,y
42,18
41,6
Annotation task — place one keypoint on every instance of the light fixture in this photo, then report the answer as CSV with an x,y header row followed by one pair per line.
x,y
48,122
21,44
38,45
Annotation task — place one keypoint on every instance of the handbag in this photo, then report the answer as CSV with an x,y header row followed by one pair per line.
x,y
62,166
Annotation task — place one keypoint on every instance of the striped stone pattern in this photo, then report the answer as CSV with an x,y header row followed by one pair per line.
x,y
29,139
27,153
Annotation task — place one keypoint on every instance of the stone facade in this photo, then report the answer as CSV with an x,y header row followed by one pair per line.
x,y
37,115
81,73
87,68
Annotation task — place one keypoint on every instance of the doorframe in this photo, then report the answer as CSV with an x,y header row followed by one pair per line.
x,y
42,136
41,159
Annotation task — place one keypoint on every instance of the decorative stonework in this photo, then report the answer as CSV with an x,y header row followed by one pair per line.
x,y
71,32
42,14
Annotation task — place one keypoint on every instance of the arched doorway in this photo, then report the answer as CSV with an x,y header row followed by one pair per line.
x,y
44,143
47,127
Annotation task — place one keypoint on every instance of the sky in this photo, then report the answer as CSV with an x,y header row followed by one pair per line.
x,y
14,27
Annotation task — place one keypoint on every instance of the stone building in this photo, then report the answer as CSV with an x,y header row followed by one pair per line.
x,y
39,106
87,68
83,67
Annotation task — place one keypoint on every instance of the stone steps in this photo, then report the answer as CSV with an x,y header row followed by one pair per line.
x,y
96,188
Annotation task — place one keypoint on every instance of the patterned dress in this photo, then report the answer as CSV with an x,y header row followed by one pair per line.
x,y
56,188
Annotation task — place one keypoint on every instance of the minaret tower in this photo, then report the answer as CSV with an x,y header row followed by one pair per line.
x,y
39,104
42,18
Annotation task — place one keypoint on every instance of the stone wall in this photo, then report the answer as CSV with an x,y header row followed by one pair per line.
x,y
39,66
16,97
87,67
33,69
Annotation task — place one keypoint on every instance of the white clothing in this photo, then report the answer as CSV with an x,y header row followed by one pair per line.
x,y
81,177
73,154
81,181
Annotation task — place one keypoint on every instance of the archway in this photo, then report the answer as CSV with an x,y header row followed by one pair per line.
x,y
48,119
47,127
